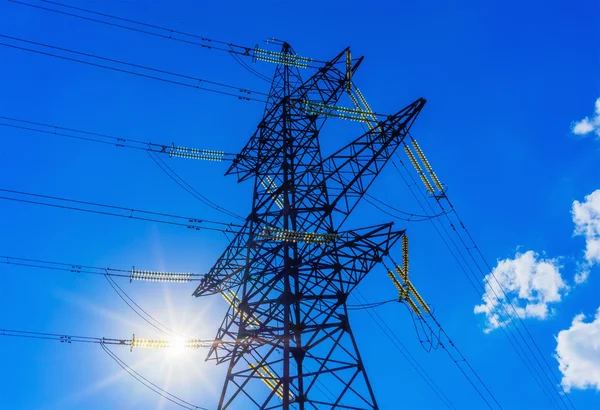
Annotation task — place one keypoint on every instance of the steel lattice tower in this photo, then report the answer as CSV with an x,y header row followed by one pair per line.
x,y
288,273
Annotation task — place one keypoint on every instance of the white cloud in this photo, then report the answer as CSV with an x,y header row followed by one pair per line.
x,y
587,125
582,275
531,283
586,216
578,354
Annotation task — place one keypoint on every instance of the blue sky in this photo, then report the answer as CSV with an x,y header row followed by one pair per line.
x,y
505,84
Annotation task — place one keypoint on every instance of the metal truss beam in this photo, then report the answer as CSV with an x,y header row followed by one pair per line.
x,y
287,325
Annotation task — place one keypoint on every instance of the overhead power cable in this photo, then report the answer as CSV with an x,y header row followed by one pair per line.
x,y
147,72
250,69
131,274
109,274
64,338
410,297
133,343
514,343
537,372
117,141
234,50
371,305
104,343
148,318
65,267
187,187
394,213
118,211
153,149
378,320
504,296
268,233
148,384
450,347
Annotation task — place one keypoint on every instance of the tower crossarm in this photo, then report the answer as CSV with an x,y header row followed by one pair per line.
x,y
328,275
351,259
236,264
351,170
326,86
232,262
364,250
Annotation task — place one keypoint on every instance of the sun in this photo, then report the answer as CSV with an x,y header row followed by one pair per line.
x,y
177,346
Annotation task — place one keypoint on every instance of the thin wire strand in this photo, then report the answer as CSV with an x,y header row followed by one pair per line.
x,y
464,359
93,136
504,293
227,227
257,73
401,218
515,344
503,290
108,274
147,383
409,214
424,323
75,268
128,301
525,358
370,305
151,148
404,352
71,268
432,333
188,188
167,33
64,338
243,93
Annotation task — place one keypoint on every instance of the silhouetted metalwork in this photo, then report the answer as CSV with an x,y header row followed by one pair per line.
x,y
289,270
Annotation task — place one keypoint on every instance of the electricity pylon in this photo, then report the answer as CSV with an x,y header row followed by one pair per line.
x,y
287,274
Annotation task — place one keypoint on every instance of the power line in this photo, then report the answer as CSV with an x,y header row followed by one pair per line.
x,y
504,293
158,31
188,188
108,273
378,320
76,268
148,384
193,82
371,305
428,313
267,233
235,51
257,73
89,136
64,338
521,353
462,358
532,369
65,267
151,148
191,344
145,316
410,218
103,342
502,304
129,213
